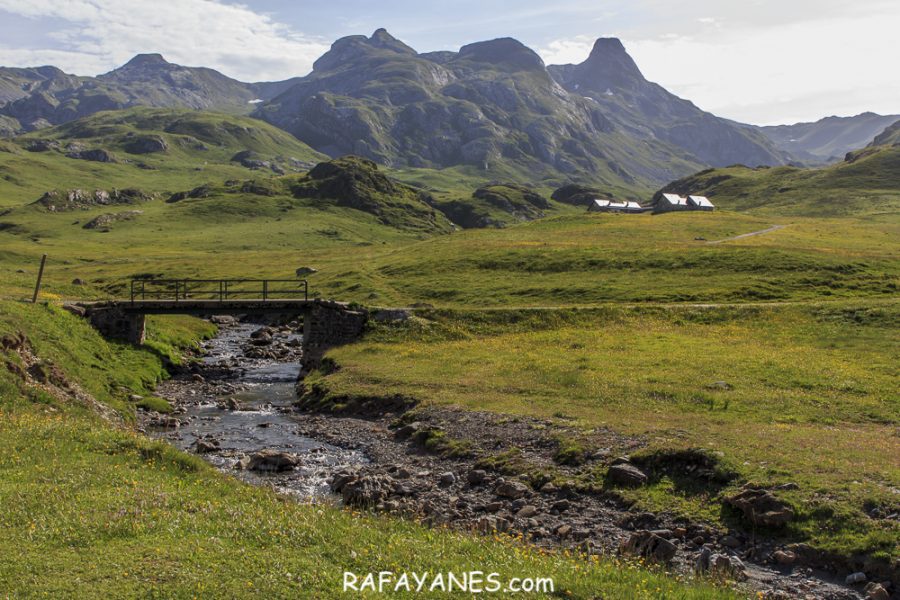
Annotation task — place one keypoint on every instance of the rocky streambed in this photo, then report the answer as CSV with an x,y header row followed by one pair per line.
x,y
238,408
234,408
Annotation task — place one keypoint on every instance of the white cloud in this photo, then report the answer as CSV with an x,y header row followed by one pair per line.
x,y
98,35
802,70
573,50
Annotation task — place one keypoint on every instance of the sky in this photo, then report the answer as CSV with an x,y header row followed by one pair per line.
x,y
755,61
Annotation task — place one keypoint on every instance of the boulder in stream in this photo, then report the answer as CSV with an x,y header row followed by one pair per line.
x,y
272,461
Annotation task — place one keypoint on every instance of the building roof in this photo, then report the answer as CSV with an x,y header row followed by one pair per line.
x,y
702,201
632,205
601,203
674,199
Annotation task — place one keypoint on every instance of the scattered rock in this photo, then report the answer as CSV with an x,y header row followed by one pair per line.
x,y
511,489
78,281
564,531
163,421
206,446
303,271
784,557
649,545
476,476
720,385
626,474
391,315
78,311
223,320
367,490
271,461
407,430
787,486
233,404
526,512
262,340
729,541
760,507
486,524
727,567
856,578
701,563
719,565
876,591
447,479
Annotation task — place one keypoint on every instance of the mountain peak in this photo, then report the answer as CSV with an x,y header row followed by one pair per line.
x,y
381,35
382,39
147,60
608,46
610,67
349,49
506,51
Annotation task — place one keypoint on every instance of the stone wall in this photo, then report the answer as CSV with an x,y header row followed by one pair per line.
x,y
328,324
114,323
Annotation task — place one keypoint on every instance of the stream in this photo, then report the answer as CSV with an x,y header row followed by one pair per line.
x,y
239,402
235,409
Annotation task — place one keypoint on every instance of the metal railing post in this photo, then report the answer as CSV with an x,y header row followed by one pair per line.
x,y
265,290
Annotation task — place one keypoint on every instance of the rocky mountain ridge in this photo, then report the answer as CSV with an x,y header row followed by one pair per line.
x,y
493,106
46,96
829,139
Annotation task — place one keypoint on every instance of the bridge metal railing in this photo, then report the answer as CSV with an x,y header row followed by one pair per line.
x,y
218,289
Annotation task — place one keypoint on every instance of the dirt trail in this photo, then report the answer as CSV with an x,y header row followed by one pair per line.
x,y
751,234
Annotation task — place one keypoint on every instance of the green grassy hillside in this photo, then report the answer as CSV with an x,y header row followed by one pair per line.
x,y
867,183
156,150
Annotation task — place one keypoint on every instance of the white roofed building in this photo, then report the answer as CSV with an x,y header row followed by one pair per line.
x,y
700,203
671,202
603,205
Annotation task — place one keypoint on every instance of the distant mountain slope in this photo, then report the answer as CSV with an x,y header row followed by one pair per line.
x,y
612,80
18,83
157,150
828,139
891,135
143,132
867,182
492,103
46,96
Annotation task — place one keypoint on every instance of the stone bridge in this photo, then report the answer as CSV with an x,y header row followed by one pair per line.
x,y
326,323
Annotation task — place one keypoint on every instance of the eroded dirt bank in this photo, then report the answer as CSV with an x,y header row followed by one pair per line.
x,y
488,473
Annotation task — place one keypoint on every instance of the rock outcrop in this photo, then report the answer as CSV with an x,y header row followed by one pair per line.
x,y
103,222
761,507
62,201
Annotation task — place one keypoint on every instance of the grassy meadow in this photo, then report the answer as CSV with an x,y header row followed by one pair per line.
x,y
801,394
96,510
778,352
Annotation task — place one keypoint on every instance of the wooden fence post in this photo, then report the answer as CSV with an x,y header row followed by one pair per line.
x,y
37,286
